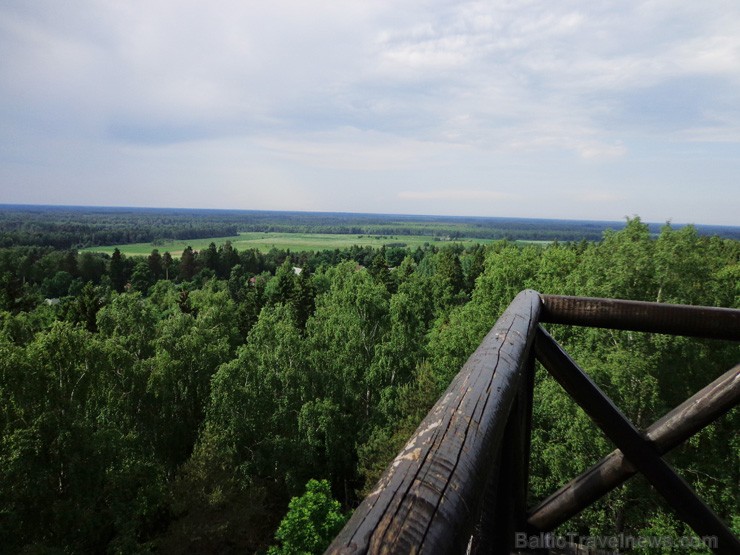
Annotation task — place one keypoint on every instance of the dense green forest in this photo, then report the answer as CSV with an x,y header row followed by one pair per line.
x,y
177,404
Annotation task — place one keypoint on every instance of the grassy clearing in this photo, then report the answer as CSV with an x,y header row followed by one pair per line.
x,y
297,242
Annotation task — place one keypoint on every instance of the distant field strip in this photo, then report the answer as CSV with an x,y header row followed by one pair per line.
x,y
264,241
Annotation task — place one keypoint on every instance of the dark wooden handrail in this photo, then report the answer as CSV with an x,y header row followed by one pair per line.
x,y
460,482
674,319
429,496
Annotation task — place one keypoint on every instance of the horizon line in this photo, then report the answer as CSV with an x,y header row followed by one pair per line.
x,y
385,214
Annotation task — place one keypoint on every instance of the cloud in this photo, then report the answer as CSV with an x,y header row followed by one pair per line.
x,y
597,196
455,195
465,72
528,92
354,149
599,151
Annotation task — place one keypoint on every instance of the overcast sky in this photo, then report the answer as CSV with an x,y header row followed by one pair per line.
x,y
521,108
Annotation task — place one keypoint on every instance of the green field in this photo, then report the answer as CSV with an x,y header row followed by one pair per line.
x,y
264,241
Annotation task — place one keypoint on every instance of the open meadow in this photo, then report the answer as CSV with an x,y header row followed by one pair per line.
x,y
296,242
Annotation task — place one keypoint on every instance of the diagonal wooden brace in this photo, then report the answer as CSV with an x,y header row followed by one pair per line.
x,y
691,416
638,450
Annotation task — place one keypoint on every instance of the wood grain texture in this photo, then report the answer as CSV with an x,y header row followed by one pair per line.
x,y
692,321
429,498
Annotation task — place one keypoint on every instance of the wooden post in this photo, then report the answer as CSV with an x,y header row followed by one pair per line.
x,y
487,529
640,452
667,433
504,510
514,477
429,498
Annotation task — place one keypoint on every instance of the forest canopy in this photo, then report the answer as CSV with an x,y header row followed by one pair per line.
x,y
178,404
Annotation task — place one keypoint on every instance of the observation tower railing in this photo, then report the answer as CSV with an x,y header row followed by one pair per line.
x,y
460,483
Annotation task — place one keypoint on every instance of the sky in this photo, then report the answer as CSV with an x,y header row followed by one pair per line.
x,y
514,108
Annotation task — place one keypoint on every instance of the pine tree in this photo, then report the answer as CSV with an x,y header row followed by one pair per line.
x,y
117,271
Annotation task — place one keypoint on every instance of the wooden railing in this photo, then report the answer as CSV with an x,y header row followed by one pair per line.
x,y
460,483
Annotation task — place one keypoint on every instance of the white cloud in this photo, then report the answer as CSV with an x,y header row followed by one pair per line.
x,y
597,151
455,195
353,149
597,196
417,71
473,92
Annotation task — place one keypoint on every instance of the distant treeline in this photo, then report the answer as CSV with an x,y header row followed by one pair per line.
x,y
463,231
64,227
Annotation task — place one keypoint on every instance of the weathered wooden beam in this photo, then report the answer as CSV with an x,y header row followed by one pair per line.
x,y
693,321
665,434
520,479
428,499
506,514
487,530
640,452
